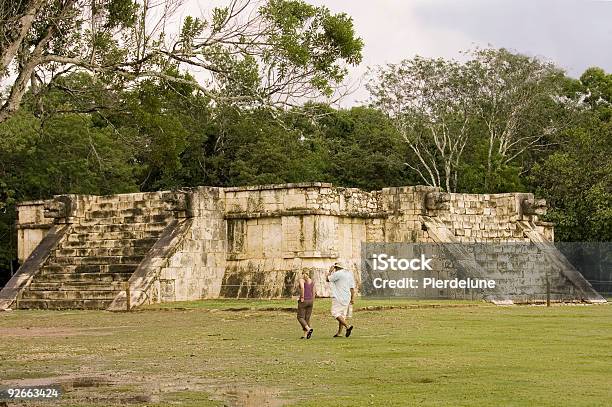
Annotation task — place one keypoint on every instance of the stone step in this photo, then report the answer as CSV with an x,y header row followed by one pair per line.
x,y
77,286
50,269
128,220
82,277
124,250
100,260
64,304
118,243
145,198
120,205
109,268
94,213
91,268
140,227
69,295
76,238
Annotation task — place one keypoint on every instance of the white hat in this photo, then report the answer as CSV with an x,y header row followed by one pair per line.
x,y
339,265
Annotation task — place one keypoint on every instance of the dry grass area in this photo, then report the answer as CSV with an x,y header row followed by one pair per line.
x,y
247,353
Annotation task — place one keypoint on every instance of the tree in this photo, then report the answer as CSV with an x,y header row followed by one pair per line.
x,y
431,104
67,153
576,176
596,87
361,148
495,110
576,181
517,102
275,53
251,147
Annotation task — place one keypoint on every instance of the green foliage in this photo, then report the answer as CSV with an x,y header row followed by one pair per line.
x,y
62,154
192,27
362,148
576,180
120,13
247,147
599,85
312,39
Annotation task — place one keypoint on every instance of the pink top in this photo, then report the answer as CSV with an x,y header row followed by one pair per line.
x,y
308,290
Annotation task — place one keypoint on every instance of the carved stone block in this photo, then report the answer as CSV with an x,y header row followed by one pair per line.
x,y
437,201
532,207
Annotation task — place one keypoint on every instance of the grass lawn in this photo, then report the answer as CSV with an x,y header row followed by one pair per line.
x,y
236,352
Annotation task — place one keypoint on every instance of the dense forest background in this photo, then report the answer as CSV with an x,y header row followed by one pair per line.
x,y
496,122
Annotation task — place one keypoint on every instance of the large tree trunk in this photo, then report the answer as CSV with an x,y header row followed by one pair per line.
x,y
30,62
14,36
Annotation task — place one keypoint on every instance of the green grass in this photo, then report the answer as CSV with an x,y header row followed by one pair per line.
x,y
430,353
290,304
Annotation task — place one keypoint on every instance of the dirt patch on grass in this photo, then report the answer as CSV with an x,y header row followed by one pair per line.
x,y
231,394
55,332
89,389
108,390
241,396
66,381
414,306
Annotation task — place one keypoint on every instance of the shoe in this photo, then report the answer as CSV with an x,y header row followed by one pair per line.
x,y
349,330
309,334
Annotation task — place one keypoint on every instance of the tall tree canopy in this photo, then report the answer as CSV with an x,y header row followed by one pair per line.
x,y
576,175
497,105
269,53
431,104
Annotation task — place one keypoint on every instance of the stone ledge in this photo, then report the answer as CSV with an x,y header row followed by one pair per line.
x,y
312,254
34,225
408,189
279,186
32,203
304,212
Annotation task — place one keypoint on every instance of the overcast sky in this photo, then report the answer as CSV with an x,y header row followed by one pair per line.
x,y
575,34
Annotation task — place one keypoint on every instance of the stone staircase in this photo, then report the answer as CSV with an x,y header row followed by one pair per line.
x,y
96,258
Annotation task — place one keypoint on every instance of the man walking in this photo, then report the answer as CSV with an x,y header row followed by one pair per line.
x,y
342,285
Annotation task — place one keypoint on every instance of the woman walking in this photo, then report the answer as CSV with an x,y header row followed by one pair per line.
x,y
305,304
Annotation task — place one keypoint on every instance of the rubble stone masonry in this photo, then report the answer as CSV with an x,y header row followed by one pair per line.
x,y
252,241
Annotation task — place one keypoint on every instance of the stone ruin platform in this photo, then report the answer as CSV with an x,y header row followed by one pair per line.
x,y
87,252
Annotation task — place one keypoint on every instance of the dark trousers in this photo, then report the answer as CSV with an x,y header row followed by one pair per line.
x,y
304,312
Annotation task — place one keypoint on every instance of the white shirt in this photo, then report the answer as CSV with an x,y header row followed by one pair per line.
x,y
341,283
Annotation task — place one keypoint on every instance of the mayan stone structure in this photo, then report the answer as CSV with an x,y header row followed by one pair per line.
x,y
90,251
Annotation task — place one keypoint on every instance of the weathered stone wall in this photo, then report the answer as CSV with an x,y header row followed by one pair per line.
x,y
196,269
32,226
255,241
517,266
401,209
274,232
489,217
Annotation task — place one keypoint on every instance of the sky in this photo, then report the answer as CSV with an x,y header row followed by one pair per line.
x,y
574,34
